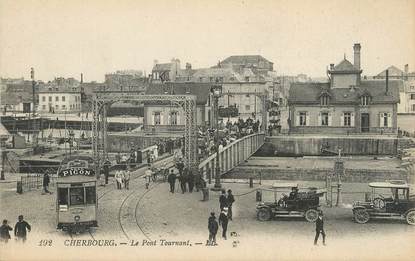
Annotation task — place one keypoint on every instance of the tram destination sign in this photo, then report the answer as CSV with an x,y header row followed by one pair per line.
x,y
76,172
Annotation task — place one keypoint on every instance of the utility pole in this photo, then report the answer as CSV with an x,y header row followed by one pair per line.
x,y
34,129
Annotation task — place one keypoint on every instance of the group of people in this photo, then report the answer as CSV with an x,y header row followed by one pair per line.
x,y
20,230
187,179
122,179
226,201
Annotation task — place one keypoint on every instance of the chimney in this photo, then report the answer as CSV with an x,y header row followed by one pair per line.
x,y
155,62
82,78
331,66
356,49
387,82
188,66
406,68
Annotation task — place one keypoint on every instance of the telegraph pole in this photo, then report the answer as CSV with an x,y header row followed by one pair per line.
x,y
34,129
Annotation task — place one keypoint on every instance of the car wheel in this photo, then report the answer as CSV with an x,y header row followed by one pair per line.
x,y
410,217
264,214
361,216
311,215
378,203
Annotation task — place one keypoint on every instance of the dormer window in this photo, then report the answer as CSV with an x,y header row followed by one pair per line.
x,y
364,100
324,100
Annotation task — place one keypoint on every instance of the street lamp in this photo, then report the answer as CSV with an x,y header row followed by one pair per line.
x,y
216,91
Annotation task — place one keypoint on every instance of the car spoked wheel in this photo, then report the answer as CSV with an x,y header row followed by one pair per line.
x,y
264,214
361,216
311,215
410,217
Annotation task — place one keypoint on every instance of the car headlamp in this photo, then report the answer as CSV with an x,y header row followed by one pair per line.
x,y
77,218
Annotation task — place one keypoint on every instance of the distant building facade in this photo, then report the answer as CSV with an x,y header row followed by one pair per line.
x,y
345,104
60,96
125,80
17,95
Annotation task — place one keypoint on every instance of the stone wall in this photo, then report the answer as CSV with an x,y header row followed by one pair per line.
x,y
312,145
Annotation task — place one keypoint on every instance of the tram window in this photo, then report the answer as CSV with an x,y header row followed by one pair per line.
x,y
90,195
77,196
63,196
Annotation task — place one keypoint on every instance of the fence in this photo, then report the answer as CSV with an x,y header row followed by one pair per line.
x,y
35,181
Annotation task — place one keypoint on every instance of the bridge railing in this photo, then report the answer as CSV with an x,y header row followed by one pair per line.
x,y
232,155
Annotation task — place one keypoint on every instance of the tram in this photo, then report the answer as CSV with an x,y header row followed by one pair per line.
x,y
76,197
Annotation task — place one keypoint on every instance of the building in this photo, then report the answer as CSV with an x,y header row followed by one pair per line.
x,y
167,116
60,96
256,63
125,80
346,103
165,72
17,96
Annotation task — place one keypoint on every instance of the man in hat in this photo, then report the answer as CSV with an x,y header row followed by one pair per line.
x,y
21,228
172,180
46,181
319,228
223,220
223,202
230,199
213,229
4,231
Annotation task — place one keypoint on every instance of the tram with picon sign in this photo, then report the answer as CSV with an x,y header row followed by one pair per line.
x,y
76,197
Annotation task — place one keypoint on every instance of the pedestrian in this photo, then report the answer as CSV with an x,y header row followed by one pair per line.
x,y
320,228
213,229
127,177
172,180
21,228
182,181
222,200
230,199
4,231
147,176
117,178
46,181
223,220
180,166
191,181
106,167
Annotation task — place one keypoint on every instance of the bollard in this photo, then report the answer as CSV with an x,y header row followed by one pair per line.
x,y
19,187
251,182
258,196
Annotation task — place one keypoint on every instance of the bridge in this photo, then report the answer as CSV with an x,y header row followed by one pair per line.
x,y
231,155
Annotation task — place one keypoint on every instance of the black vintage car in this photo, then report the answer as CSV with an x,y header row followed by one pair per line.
x,y
388,200
304,203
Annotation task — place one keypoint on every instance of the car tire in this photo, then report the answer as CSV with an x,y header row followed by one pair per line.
x,y
311,215
410,217
361,216
263,214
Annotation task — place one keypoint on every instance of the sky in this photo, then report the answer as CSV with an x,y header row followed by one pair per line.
x,y
95,37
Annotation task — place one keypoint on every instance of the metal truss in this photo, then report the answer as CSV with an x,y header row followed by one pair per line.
x,y
103,100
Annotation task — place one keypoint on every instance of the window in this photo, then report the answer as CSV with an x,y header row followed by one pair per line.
x,y
247,96
43,107
247,78
64,107
347,119
50,98
412,96
63,98
413,107
63,196
364,100
43,98
57,107
385,120
247,107
77,196
303,119
324,100
91,195
324,119
57,98
157,118
173,118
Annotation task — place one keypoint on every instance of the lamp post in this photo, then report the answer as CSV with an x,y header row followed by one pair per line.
x,y
71,135
216,91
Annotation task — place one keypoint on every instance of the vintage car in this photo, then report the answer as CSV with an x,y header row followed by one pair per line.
x,y
388,200
300,203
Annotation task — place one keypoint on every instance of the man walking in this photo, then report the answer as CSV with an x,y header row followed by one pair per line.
x,y
213,229
46,181
106,167
126,177
182,180
230,199
223,220
147,175
21,228
222,200
319,228
172,180
4,231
